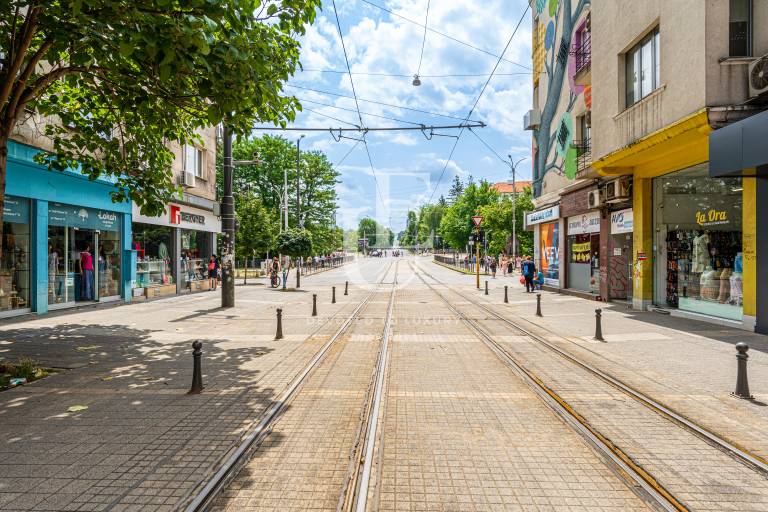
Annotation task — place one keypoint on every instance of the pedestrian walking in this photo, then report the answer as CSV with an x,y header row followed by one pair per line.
x,y
493,267
213,273
518,263
504,265
529,271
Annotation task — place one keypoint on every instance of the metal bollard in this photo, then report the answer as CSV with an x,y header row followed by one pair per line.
x,y
314,304
598,325
197,370
279,333
346,287
506,295
742,383
333,295
486,287
538,304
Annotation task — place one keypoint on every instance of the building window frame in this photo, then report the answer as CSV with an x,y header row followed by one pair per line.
x,y
193,158
637,85
740,32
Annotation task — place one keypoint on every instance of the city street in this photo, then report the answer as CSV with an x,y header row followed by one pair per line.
x,y
415,391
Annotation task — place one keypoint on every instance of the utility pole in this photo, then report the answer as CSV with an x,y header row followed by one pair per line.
x,y
285,199
228,227
299,220
514,165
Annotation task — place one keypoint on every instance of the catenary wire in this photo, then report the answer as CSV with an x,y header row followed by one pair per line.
x,y
424,39
396,75
357,105
448,116
348,153
305,109
489,147
445,35
364,113
482,91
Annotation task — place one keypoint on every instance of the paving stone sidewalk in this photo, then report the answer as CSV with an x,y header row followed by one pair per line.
x,y
143,443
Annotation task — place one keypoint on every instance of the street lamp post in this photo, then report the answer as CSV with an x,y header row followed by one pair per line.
x,y
228,227
514,207
299,220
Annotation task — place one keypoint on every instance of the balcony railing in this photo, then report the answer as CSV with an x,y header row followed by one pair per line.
x,y
583,153
582,52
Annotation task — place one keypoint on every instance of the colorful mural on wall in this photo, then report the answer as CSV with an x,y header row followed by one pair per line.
x,y
553,140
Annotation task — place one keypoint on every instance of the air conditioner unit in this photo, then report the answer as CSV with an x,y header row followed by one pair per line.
x,y
188,179
617,191
595,199
758,77
532,119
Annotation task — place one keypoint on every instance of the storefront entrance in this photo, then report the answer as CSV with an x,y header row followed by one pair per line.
x,y
584,252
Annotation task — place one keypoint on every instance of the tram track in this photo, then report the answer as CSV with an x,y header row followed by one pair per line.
x,y
627,462
205,497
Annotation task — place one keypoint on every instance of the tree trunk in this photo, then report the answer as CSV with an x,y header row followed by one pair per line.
x,y
3,168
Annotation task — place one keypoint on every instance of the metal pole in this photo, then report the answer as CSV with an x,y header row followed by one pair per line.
x,y
285,198
598,325
228,227
477,261
514,215
506,296
538,304
299,221
279,331
197,371
314,304
742,383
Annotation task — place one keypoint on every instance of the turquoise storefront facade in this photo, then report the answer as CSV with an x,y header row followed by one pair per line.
x,y
66,199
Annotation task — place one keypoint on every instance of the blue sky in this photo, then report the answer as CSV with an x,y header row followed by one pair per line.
x,y
407,165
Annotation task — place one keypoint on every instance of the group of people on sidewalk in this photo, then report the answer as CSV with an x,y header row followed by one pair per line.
x,y
530,275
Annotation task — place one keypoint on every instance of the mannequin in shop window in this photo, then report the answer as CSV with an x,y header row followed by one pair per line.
x,y
53,265
86,273
700,253
737,294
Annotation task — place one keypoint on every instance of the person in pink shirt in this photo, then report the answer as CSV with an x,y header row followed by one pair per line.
x,y
86,273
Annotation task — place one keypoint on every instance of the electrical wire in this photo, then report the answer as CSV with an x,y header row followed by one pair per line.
x,y
396,75
364,113
489,147
424,39
348,153
357,105
447,116
482,91
326,115
445,35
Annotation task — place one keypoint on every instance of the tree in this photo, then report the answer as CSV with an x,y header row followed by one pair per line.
x,y
497,219
456,189
125,77
295,242
411,233
368,228
258,227
350,240
456,224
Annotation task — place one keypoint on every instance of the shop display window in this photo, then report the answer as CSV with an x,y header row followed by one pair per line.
x,y
153,255
700,262
584,262
14,266
195,252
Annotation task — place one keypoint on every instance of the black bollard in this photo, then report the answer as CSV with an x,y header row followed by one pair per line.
x,y
506,296
742,383
314,304
538,304
279,333
197,369
486,287
333,295
598,325
346,287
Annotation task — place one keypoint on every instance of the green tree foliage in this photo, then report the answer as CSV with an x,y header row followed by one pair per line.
x,y
125,77
350,240
456,189
368,228
456,224
295,242
410,236
257,229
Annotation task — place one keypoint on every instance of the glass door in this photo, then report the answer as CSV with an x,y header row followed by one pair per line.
x,y
108,258
61,281
81,264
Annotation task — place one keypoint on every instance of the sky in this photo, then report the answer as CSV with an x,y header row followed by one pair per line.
x,y
407,167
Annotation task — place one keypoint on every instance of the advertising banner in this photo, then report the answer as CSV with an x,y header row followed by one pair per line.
x,y
549,263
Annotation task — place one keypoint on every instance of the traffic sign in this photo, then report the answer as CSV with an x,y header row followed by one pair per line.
x,y
476,220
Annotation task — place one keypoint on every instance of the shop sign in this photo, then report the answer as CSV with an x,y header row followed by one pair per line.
x,y
82,217
622,221
179,216
641,256
16,209
546,215
712,217
584,224
581,252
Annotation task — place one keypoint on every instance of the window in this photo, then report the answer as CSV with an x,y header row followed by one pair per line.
x,y
643,68
193,160
740,28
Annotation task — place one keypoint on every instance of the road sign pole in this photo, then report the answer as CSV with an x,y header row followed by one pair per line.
x,y
477,261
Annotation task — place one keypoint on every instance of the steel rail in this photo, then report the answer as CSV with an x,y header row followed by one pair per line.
x,y
742,454
639,476
232,465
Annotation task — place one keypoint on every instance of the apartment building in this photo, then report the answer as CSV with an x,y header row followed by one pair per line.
x,y
66,243
628,200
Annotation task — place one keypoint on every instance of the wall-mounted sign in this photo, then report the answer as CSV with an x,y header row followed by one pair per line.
x,y
545,215
622,221
584,224
82,217
16,209
186,217
712,217
641,256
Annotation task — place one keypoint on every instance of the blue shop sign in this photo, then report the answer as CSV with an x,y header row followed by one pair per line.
x,y
16,209
82,217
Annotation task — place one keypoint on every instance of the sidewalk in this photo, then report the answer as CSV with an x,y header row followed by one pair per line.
x,y
688,365
143,443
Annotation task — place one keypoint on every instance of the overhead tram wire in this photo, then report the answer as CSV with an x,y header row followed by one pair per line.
x,y
348,153
501,57
482,91
436,114
395,75
365,113
367,129
329,117
506,162
357,105
423,40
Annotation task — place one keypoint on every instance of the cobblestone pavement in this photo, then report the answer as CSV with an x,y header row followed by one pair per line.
x,y
458,429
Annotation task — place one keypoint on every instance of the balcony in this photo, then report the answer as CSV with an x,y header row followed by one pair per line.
x,y
583,154
582,54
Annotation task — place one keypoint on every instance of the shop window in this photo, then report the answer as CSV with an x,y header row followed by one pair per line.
x,y
193,160
195,252
153,255
14,266
643,68
700,238
740,28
